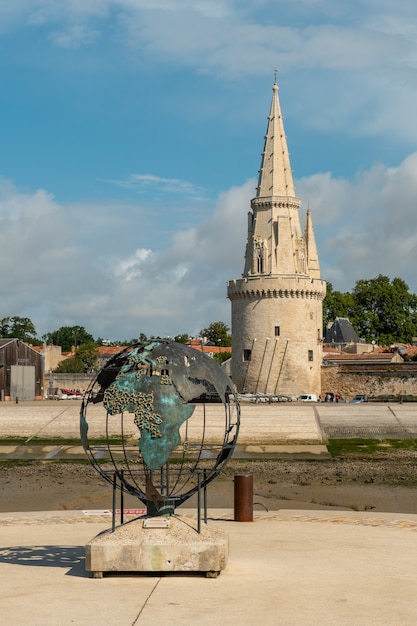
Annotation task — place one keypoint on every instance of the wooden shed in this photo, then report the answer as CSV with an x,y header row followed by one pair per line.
x,y
21,371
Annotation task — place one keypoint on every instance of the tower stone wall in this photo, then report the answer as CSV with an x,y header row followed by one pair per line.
x,y
277,305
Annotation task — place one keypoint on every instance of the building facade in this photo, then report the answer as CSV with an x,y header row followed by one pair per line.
x,y
277,304
21,371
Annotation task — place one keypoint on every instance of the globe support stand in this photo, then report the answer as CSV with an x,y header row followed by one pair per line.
x,y
166,504
171,420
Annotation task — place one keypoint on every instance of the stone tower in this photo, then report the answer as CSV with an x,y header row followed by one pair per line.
x,y
277,305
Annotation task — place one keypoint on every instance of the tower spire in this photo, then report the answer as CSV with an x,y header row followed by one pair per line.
x,y
280,293
275,174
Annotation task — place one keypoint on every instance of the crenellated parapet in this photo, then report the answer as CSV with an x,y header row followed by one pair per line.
x,y
246,288
275,203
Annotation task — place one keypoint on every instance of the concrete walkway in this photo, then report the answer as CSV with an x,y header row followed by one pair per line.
x,y
277,431
261,424
285,568
288,568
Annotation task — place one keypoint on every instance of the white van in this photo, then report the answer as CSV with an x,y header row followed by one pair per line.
x,y
308,397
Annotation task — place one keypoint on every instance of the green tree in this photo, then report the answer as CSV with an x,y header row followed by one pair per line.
x,y
385,311
70,366
379,309
337,304
88,354
183,338
85,361
129,342
218,333
18,328
221,356
68,336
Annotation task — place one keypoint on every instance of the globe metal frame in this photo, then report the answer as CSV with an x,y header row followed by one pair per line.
x,y
194,461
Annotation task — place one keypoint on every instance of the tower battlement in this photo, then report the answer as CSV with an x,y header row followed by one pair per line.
x,y
276,287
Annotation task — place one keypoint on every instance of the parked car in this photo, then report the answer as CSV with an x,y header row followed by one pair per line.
x,y
360,397
308,397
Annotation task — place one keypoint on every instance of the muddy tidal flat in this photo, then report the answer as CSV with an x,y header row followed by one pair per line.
x,y
383,482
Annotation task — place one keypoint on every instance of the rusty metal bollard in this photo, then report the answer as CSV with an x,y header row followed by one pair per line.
x,y
243,492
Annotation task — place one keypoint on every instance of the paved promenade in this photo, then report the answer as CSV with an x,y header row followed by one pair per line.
x,y
285,568
288,569
275,430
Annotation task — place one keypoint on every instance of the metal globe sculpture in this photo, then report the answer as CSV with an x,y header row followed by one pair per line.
x,y
171,422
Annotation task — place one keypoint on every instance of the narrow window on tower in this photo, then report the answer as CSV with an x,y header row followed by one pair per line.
x,y
260,264
310,355
260,257
276,331
276,233
247,355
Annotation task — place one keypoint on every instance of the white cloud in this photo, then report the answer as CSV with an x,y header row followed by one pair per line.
x,y
129,268
75,36
119,268
58,277
159,184
354,65
363,227
376,225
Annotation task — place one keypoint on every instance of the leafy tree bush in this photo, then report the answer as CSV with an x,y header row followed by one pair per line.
x,y
218,333
18,328
220,357
85,361
68,336
379,309
70,366
183,338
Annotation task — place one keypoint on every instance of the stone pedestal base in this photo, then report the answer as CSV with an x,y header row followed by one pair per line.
x,y
158,544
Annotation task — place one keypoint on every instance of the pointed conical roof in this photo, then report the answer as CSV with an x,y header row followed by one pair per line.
x,y
313,265
275,175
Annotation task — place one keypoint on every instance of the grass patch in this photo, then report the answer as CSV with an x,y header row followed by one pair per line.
x,y
5,463
359,447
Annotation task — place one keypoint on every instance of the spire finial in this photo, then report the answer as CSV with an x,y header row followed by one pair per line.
x,y
275,74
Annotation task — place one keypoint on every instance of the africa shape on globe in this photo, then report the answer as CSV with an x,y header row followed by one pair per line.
x,y
160,384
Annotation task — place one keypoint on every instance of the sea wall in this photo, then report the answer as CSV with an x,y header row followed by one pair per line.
x,y
373,380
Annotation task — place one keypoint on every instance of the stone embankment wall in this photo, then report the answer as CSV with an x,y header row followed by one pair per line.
x,y
75,382
346,380
373,380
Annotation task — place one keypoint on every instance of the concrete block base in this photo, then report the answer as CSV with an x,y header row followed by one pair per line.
x,y
158,544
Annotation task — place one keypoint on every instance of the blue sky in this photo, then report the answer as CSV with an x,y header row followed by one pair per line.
x,y
130,140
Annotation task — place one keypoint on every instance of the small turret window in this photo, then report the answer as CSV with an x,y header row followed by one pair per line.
x,y
247,355
260,264
260,250
277,332
310,355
